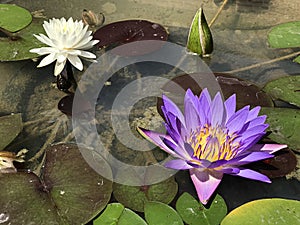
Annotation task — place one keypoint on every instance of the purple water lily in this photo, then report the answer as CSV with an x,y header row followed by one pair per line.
x,y
212,139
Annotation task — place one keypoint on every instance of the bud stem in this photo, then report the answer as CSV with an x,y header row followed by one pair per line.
x,y
218,13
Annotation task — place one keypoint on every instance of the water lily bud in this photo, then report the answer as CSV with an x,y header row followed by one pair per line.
x,y
92,19
200,40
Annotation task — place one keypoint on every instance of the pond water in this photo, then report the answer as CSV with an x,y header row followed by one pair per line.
x,y
240,39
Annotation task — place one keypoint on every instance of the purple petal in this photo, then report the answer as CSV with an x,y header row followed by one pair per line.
x,y
237,120
248,158
270,148
156,138
249,142
205,182
230,105
257,121
178,164
217,111
253,113
190,113
260,129
204,107
253,175
170,106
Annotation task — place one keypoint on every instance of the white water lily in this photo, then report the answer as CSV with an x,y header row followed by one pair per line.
x,y
66,40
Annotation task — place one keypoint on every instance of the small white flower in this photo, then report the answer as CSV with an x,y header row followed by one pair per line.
x,y
66,40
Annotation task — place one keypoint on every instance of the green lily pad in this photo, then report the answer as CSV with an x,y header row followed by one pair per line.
x,y
117,214
286,89
13,17
68,191
18,49
135,197
10,127
284,125
194,213
157,213
265,211
286,35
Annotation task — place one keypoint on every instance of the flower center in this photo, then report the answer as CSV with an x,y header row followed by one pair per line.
x,y
213,143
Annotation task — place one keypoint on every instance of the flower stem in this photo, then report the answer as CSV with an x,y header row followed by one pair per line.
x,y
263,63
218,13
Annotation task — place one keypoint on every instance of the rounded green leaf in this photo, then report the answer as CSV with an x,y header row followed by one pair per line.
x,y
129,217
13,17
194,213
286,35
265,211
18,49
157,213
111,215
284,125
135,197
10,127
68,192
285,88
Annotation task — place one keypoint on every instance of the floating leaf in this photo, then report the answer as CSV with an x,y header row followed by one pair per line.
x,y
13,17
194,213
246,92
200,40
10,127
286,35
135,197
68,192
127,31
265,211
284,125
286,89
157,213
13,50
117,214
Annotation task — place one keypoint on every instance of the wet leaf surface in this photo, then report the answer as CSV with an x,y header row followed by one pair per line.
x,y
286,89
10,127
13,17
127,31
68,192
265,211
157,213
284,126
135,197
286,35
13,50
247,93
194,213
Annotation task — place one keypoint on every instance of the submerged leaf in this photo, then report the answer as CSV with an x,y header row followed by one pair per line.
x,y
284,125
157,213
13,17
286,35
194,213
265,211
286,89
68,192
10,127
200,39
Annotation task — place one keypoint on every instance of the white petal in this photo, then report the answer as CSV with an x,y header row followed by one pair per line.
x,y
75,61
47,60
86,54
59,67
43,50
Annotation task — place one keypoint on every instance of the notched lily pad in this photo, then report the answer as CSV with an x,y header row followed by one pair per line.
x,y
246,92
10,127
286,35
14,18
13,50
135,197
68,191
265,211
194,213
285,89
284,125
126,31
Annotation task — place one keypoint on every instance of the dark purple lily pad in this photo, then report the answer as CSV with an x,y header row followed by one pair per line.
x,y
247,93
65,105
68,191
127,31
283,163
